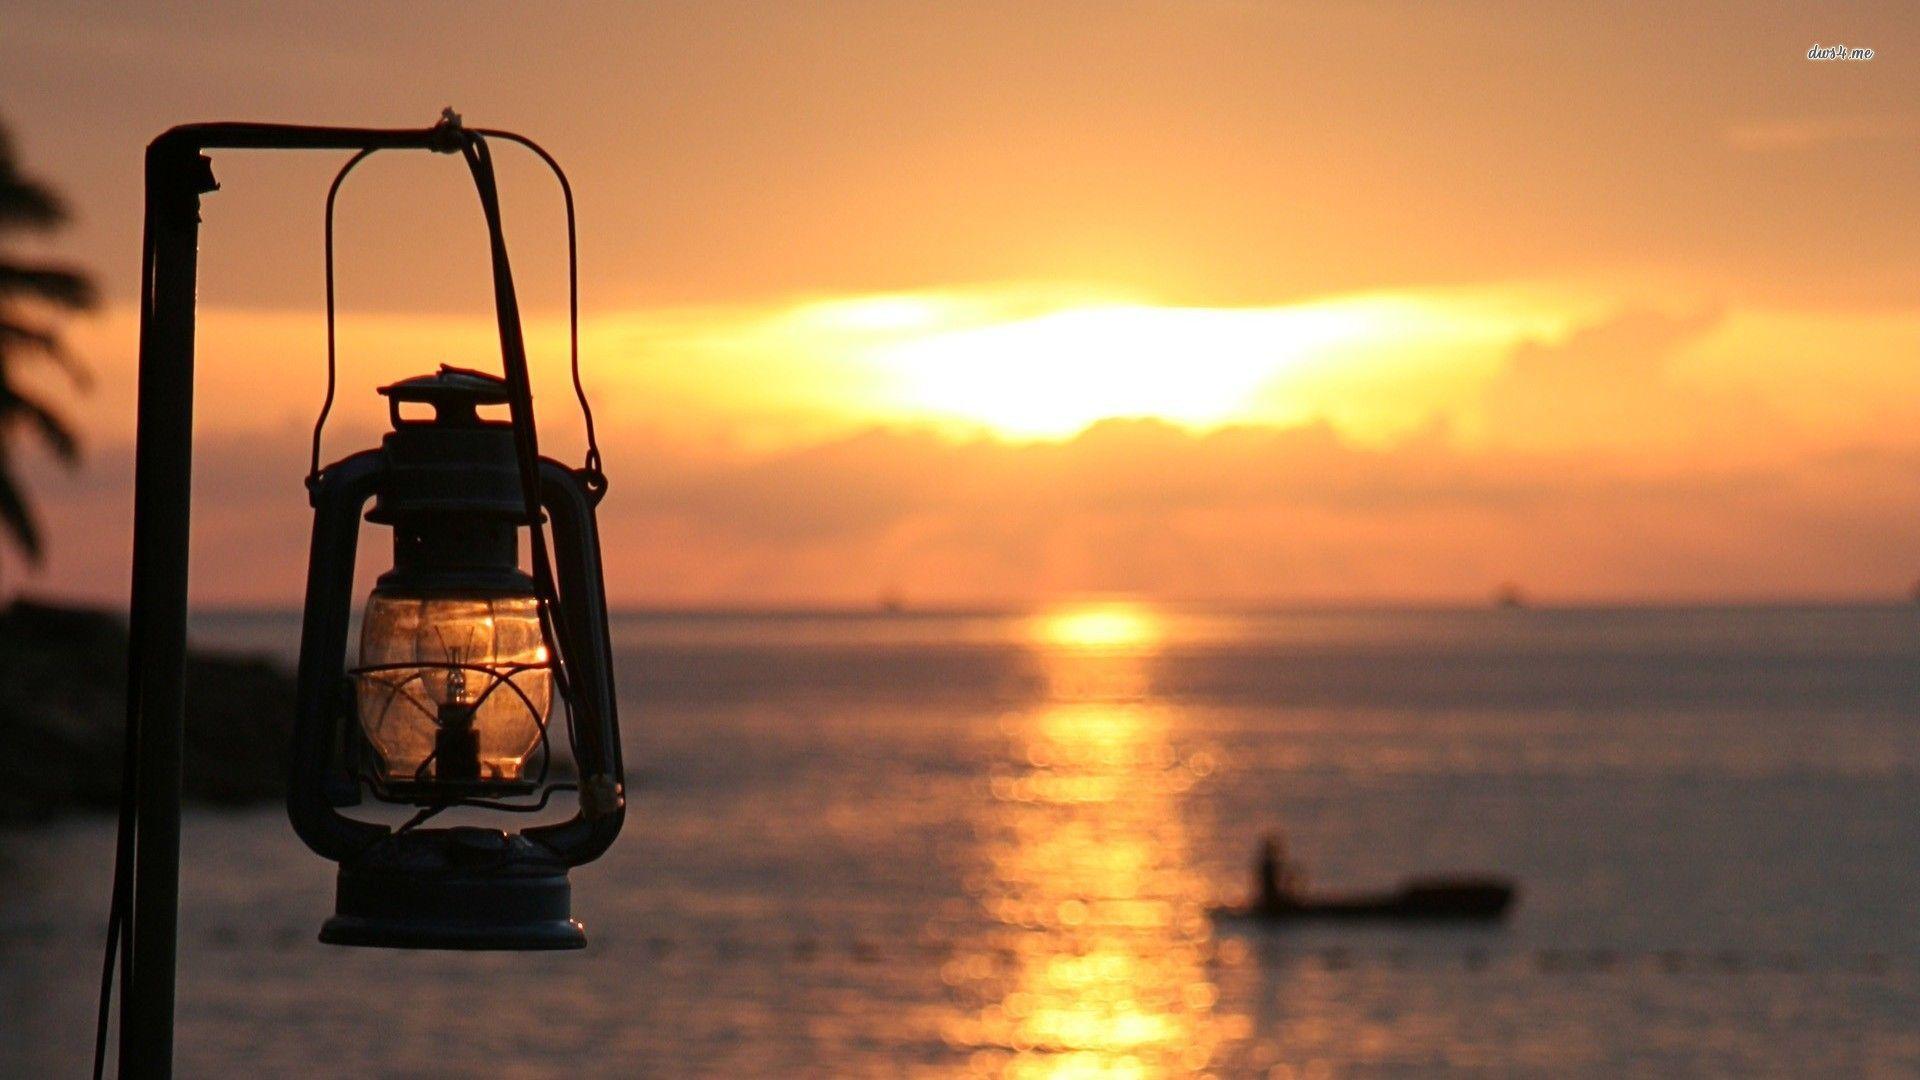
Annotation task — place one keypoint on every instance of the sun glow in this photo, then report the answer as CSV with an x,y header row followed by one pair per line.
x,y
1050,375
1040,362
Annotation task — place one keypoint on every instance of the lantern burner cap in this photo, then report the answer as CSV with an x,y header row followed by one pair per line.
x,y
455,393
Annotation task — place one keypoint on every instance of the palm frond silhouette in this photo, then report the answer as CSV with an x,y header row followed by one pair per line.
x,y
33,297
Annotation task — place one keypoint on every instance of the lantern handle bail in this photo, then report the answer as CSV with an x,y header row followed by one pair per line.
x,y
451,136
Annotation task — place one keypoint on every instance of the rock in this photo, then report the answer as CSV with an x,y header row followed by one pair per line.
x,y
63,685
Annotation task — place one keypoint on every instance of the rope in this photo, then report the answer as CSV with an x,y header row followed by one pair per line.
x,y
513,355
119,948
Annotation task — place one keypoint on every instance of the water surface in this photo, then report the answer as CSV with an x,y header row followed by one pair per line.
x,y
946,845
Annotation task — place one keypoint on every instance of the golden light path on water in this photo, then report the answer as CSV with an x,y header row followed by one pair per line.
x,y
1096,966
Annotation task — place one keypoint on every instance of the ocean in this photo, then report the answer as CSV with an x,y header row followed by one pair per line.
x,y
954,844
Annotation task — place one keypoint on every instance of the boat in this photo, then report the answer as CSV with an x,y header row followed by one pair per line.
x,y
1452,899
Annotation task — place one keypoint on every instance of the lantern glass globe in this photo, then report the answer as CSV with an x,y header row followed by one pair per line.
x,y
452,687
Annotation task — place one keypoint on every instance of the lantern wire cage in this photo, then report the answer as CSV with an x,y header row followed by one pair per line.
x,y
500,675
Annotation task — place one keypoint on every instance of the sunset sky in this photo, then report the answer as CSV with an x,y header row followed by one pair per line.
x,y
989,303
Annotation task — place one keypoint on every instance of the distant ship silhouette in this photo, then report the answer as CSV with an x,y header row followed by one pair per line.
x,y
1510,596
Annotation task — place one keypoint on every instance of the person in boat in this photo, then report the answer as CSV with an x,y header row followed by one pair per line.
x,y
1278,880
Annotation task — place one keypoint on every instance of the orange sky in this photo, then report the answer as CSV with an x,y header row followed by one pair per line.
x,y
990,302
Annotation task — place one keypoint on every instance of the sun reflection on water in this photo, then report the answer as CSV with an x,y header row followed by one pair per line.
x,y
1113,626
1096,961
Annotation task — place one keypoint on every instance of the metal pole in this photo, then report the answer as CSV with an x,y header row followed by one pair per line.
x,y
176,175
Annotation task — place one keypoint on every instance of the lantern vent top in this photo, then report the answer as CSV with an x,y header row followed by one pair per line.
x,y
456,395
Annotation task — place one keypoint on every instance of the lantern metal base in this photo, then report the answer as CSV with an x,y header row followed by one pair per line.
x,y
454,889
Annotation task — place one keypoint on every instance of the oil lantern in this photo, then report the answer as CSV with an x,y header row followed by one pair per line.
x,y
452,693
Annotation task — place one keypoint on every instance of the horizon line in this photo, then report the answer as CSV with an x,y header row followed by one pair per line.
x,y
1001,609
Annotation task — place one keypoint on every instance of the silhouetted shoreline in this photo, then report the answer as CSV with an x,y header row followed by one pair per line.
x,y
63,685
